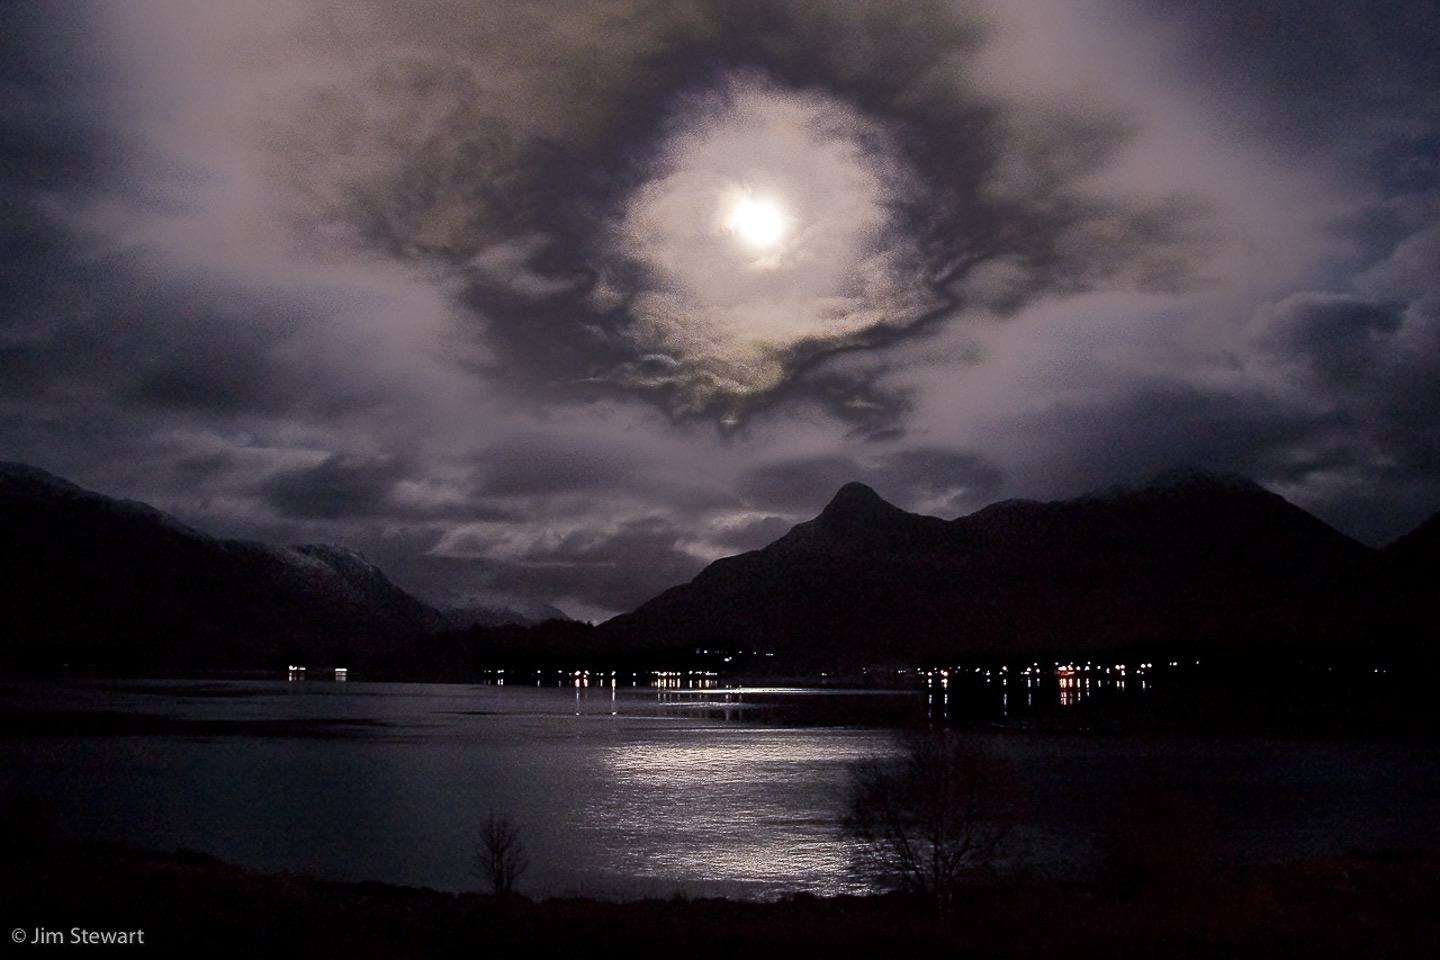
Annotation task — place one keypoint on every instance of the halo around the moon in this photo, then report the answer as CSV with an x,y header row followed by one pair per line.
x,y
765,235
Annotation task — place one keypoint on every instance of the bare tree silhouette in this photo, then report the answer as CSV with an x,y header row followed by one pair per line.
x,y
933,820
500,857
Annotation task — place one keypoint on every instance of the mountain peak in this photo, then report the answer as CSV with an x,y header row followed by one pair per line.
x,y
1192,478
1190,559
856,500
1181,480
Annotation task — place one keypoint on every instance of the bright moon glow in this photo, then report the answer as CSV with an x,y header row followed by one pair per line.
x,y
763,236
758,222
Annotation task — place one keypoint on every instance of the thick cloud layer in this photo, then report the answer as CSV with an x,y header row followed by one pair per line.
x,y
470,285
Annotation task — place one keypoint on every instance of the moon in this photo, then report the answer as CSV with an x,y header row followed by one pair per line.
x,y
755,237
758,223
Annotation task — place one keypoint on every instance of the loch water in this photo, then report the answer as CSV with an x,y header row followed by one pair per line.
x,y
624,792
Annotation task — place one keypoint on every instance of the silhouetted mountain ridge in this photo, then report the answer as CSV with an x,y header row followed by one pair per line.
x,y
857,518
1410,565
115,584
1420,546
1190,559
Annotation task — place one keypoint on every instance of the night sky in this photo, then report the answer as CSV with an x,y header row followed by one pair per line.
x,y
559,301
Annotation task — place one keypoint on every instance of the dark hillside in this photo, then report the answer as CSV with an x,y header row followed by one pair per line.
x,y
1190,560
96,583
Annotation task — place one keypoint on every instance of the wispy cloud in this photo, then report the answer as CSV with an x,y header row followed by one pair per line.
x,y
461,284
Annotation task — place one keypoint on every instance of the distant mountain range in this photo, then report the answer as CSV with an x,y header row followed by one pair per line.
x,y
1190,560
99,583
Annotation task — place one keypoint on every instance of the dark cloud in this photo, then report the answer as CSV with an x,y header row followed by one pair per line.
x,y
146,336
523,466
930,480
216,351
941,482
53,153
797,485
52,106
1150,427
1328,399
751,534
417,158
1327,71
336,488
594,566
1370,363
1337,340
426,279
195,471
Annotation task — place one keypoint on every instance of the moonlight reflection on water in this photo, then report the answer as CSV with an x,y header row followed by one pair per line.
x,y
624,792
758,804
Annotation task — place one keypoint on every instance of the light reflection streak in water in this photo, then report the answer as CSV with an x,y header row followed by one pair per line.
x,y
756,805
383,782
1022,693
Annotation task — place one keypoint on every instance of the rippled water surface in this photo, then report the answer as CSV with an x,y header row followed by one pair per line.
x,y
626,792
619,792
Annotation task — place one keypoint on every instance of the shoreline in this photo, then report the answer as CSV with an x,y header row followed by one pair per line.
x,y
1374,905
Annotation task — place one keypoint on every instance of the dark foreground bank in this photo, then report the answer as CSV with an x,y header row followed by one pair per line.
x,y
53,896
